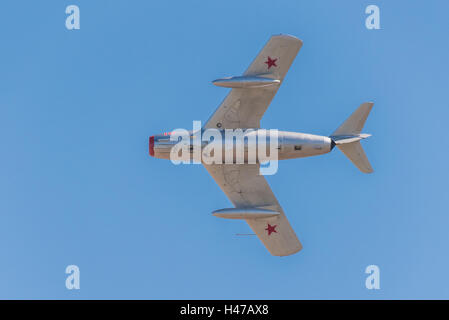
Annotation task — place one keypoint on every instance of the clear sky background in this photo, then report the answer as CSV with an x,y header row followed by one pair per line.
x,y
77,185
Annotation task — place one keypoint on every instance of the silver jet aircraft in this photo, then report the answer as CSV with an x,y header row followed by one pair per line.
x,y
243,108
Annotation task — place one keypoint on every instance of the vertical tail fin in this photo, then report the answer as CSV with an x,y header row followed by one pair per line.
x,y
347,137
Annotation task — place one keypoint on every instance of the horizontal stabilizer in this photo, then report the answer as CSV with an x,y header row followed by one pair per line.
x,y
347,137
355,153
354,124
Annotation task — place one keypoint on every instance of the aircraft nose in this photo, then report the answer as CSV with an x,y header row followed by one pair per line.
x,y
151,146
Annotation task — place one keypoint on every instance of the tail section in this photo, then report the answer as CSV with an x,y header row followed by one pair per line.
x,y
354,124
347,137
355,153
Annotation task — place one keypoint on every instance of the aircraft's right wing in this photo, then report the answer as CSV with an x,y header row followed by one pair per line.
x,y
246,188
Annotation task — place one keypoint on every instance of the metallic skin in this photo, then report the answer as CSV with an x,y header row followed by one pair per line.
x,y
242,109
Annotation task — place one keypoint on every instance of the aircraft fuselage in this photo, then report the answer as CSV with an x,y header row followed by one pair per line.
x,y
250,144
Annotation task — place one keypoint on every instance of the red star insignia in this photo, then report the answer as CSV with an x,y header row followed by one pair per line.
x,y
271,62
271,228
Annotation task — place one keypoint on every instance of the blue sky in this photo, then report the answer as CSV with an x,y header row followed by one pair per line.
x,y
78,186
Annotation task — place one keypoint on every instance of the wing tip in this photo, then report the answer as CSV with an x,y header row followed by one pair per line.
x,y
369,104
288,36
288,253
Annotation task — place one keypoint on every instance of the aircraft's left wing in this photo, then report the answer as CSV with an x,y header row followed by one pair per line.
x,y
246,188
244,107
